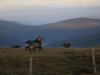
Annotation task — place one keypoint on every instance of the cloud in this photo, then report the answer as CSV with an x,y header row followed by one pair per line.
x,y
47,10
48,3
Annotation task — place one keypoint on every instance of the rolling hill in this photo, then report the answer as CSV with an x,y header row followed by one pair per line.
x,y
82,41
6,41
51,32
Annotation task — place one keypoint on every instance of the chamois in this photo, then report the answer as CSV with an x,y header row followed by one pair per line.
x,y
67,45
16,46
32,45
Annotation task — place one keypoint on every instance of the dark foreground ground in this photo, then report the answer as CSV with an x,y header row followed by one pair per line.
x,y
53,61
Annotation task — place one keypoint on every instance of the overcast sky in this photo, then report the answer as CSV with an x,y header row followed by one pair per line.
x,y
47,11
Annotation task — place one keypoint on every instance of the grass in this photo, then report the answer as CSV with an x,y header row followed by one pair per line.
x,y
53,61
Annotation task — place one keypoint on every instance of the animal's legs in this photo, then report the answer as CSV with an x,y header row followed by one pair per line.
x,y
26,48
34,50
40,49
30,50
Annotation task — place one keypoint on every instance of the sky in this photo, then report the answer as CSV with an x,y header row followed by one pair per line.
x,y
37,12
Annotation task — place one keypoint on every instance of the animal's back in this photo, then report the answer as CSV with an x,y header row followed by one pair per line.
x,y
35,44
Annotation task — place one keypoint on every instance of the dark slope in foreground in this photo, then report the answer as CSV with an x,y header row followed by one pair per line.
x,y
53,61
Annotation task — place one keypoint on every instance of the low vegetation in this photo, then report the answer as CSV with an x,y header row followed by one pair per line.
x,y
53,61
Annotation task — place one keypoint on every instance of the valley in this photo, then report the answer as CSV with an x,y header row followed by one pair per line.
x,y
77,29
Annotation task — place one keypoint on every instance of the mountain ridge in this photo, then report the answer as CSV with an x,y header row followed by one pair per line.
x,y
50,32
74,23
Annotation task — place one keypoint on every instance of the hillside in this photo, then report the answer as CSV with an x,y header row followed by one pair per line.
x,y
76,23
83,41
7,41
9,23
50,32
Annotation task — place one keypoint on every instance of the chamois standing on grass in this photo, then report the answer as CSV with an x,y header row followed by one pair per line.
x,y
32,45
67,45
16,46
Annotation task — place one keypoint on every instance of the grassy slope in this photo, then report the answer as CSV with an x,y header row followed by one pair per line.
x,y
53,61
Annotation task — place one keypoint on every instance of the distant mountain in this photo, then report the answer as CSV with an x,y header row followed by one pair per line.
x,y
83,41
9,23
76,23
51,32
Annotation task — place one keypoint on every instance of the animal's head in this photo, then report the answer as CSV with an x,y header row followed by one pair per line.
x,y
39,39
71,42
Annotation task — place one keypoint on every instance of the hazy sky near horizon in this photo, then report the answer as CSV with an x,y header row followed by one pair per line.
x,y
47,11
